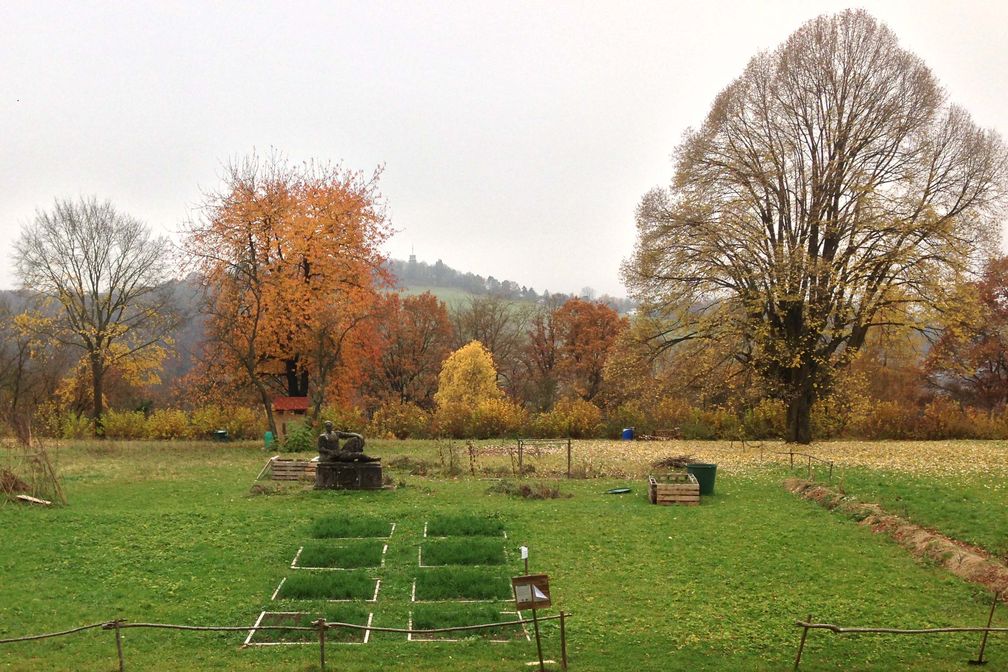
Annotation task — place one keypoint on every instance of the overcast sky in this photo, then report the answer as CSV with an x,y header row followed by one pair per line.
x,y
516,137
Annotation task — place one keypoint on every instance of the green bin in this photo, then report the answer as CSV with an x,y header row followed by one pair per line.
x,y
704,474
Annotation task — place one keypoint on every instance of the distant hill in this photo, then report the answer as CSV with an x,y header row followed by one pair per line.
x,y
452,286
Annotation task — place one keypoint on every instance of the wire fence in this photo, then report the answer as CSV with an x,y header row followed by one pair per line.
x,y
319,626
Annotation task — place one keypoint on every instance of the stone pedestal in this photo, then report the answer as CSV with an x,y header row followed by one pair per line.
x,y
348,476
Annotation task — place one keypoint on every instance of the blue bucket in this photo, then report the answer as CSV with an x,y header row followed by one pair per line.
x,y
628,434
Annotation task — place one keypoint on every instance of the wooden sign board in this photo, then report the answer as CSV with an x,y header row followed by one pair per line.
x,y
531,591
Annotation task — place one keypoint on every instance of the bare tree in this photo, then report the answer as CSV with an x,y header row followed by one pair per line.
x,y
107,273
830,182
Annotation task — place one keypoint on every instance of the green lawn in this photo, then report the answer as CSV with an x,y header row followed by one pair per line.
x,y
170,534
969,507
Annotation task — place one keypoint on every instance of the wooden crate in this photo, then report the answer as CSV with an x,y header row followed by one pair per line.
x,y
676,488
292,470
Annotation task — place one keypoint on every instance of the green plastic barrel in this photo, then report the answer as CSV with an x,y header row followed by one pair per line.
x,y
268,440
704,474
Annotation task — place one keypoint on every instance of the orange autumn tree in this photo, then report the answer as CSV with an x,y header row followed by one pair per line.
x,y
290,259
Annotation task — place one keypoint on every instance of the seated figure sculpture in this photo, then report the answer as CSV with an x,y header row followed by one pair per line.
x,y
352,449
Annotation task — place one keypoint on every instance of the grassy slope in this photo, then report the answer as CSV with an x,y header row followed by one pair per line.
x,y
170,535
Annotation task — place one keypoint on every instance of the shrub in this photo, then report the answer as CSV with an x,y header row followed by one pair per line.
x,y
343,419
74,426
945,419
168,423
497,418
125,425
887,420
672,413
629,414
245,423
403,420
575,418
766,420
300,438
206,420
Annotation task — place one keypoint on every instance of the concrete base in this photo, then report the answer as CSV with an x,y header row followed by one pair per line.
x,y
348,476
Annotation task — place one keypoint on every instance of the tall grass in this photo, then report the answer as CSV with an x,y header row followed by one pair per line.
x,y
328,586
472,551
464,525
348,526
461,583
345,554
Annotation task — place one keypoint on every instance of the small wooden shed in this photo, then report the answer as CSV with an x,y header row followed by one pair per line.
x,y
289,410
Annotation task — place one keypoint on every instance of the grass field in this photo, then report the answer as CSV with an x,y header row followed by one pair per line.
x,y
169,533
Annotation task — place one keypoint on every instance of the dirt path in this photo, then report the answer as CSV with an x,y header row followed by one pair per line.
x,y
965,561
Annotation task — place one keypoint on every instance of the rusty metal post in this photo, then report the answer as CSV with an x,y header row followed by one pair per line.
x,y
983,640
801,644
563,641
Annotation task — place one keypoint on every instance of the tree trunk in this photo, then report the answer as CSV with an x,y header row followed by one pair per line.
x,y
799,416
268,407
97,391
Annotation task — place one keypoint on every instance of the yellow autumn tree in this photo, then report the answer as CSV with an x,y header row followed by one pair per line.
x,y
468,379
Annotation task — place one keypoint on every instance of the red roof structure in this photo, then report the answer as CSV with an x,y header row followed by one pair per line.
x,y
291,403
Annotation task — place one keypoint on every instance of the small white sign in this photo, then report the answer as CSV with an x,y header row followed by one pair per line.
x,y
524,552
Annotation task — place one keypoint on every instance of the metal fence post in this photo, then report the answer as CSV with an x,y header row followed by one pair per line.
x,y
983,640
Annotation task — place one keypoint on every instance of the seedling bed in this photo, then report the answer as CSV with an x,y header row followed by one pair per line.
x,y
303,619
433,616
350,554
456,551
448,525
460,584
351,527
329,586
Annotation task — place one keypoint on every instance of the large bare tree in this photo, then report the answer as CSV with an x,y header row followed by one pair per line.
x,y
107,274
831,182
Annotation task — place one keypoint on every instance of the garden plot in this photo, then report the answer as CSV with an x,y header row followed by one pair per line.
x,y
351,554
352,527
258,636
434,616
460,584
351,585
464,526
474,551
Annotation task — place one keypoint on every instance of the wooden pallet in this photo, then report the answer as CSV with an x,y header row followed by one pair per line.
x,y
292,470
676,488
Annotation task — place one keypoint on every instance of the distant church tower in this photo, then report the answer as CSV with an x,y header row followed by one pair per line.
x,y
412,258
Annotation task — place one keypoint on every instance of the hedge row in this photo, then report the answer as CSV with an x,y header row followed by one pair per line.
x,y
939,419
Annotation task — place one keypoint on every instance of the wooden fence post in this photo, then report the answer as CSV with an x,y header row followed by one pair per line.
x,y
983,640
801,644
321,639
568,460
563,641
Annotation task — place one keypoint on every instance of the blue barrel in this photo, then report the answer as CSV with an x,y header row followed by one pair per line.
x,y
628,433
